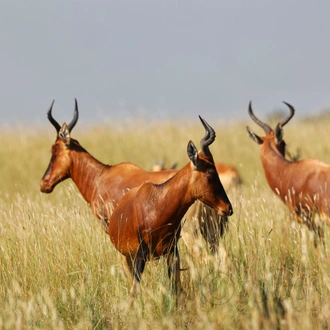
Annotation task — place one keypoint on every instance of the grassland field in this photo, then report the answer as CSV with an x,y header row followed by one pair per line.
x,y
59,270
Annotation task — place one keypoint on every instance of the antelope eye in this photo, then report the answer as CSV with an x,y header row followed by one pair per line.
x,y
211,171
211,174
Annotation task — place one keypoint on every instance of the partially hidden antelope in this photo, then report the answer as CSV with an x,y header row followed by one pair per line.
x,y
146,223
160,166
229,175
304,185
204,220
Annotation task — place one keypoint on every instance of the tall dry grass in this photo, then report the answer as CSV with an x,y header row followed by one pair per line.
x,y
60,271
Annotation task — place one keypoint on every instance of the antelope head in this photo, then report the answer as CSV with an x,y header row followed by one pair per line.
x,y
208,187
274,137
60,162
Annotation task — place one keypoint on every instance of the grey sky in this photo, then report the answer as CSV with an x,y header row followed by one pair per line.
x,y
162,58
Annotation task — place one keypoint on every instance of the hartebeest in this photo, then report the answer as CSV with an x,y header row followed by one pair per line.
x,y
146,224
304,185
229,175
102,186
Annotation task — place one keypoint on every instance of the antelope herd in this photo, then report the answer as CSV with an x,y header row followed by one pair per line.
x,y
146,212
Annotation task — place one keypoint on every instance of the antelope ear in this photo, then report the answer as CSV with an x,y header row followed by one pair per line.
x,y
254,136
64,134
192,153
279,133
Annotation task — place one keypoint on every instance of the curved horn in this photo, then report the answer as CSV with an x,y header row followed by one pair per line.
x,y
51,119
75,117
208,138
265,127
285,121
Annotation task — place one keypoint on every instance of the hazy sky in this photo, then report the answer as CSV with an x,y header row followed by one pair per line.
x,y
166,59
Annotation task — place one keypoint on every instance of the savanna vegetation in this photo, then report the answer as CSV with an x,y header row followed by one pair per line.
x,y
59,270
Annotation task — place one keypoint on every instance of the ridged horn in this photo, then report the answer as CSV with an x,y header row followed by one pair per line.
x,y
75,117
208,138
285,121
263,125
51,119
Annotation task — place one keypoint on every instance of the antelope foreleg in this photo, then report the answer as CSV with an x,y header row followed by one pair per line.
x,y
318,232
173,264
314,225
137,267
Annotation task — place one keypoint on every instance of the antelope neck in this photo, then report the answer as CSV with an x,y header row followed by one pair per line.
x,y
85,172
